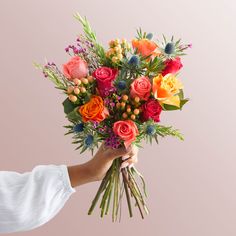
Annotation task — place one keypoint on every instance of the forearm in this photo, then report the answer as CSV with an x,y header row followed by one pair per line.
x,y
80,174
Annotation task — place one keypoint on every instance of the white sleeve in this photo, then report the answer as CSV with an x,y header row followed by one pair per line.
x,y
31,199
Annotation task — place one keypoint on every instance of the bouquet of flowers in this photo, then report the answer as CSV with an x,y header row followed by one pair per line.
x,y
116,95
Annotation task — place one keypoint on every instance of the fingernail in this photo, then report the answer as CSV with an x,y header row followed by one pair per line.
x,y
125,157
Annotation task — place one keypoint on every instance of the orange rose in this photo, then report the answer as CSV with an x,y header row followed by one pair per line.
x,y
145,47
94,110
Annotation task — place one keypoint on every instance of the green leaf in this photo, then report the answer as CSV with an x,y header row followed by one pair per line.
x,y
183,102
168,107
68,106
74,115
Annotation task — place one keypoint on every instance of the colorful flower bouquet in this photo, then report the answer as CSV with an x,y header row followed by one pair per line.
x,y
116,96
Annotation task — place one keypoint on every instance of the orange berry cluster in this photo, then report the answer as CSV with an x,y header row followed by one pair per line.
x,y
117,50
129,112
78,88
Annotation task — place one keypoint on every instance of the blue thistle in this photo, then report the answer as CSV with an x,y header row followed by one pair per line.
x,y
149,36
89,140
121,85
150,130
134,61
169,48
79,128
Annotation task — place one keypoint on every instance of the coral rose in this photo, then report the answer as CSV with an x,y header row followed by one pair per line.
x,y
141,87
151,110
94,110
105,77
166,89
76,68
126,130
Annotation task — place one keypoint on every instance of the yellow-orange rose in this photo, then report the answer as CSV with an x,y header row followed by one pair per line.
x,y
94,110
165,89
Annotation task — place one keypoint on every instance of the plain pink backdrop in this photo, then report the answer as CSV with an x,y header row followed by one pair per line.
x,y
192,187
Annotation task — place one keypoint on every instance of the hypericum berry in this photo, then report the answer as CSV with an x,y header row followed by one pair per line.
x,y
169,48
136,111
117,105
128,110
89,140
122,104
70,89
82,89
116,42
125,97
150,130
76,91
124,41
137,99
84,81
121,85
114,59
133,117
90,79
120,56
79,128
72,98
124,115
111,43
77,81
118,48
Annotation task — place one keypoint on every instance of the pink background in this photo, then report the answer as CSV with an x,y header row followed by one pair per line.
x,y
192,187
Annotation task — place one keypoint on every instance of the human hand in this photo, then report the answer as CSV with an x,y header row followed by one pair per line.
x,y
96,168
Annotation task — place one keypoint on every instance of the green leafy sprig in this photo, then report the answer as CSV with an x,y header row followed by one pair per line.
x,y
91,36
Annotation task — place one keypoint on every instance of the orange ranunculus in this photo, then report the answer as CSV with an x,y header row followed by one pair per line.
x,y
94,110
165,89
145,47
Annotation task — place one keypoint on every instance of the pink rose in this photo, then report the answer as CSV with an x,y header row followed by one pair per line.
x,y
76,68
126,130
141,87
105,77
172,66
151,110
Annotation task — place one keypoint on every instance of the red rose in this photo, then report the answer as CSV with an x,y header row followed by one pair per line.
x,y
105,77
151,110
172,66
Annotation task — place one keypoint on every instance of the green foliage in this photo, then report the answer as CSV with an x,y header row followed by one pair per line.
x,y
141,34
58,79
79,138
158,131
153,66
68,106
91,36
183,101
74,115
164,131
